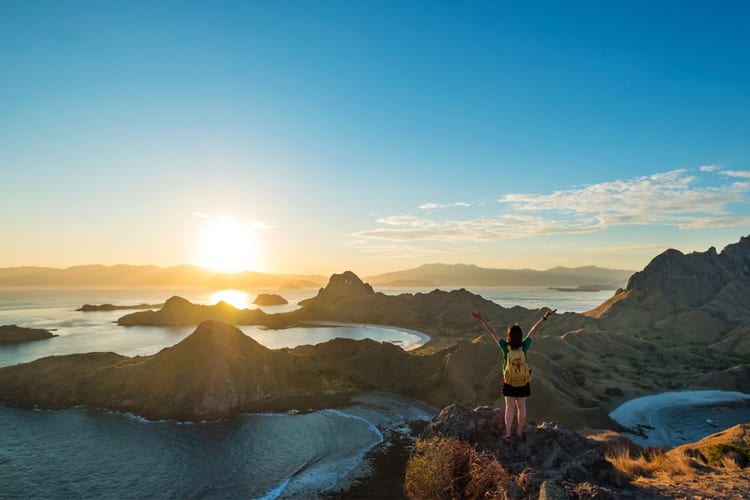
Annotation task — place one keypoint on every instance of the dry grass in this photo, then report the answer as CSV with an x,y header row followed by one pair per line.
x,y
652,464
446,468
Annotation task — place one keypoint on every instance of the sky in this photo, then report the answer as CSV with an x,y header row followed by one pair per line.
x,y
372,136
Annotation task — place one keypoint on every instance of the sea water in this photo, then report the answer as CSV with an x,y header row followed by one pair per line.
x,y
82,453
671,419
89,453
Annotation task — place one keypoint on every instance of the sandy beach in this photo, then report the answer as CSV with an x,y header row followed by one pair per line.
x,y
420,339
670,419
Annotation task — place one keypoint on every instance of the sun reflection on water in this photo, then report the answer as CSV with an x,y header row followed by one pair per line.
x,y
236,298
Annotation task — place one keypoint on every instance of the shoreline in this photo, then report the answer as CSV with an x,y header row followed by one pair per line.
x,y
423,337
647,426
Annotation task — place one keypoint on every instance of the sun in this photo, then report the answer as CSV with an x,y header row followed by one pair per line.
x,y
228,246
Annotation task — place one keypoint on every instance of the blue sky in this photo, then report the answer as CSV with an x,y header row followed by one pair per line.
x,y
372,136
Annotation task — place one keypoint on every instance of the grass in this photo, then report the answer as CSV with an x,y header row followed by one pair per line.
x,y
443,468
652,464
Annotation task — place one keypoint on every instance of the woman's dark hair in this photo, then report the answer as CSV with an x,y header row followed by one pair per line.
x,y
514,337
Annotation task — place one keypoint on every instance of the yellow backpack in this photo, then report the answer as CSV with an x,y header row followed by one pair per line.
x,y
517,372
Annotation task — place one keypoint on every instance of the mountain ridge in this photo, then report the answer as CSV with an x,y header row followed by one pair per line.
x,y
438,274
426,275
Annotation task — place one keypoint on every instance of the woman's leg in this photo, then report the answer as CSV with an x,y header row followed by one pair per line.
x,y
510,406
521,404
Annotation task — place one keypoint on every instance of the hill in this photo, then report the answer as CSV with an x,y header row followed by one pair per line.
x,y
471,275
701,298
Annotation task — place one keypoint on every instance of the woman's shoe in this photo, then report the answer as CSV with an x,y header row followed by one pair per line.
x,y
522,436
508,439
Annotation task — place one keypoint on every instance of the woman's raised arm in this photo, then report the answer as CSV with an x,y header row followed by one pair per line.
x,y
538,324
489,328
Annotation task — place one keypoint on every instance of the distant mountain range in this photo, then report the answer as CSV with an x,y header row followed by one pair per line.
x,y
471,275
129,275
431,275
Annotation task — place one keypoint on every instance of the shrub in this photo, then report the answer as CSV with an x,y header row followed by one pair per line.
x,y
717,452
443,468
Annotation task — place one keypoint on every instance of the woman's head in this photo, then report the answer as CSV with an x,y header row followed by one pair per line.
x,y
514,337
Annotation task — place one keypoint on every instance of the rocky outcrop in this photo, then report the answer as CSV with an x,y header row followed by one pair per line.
x,y
13,334
462,454
269,299
551,457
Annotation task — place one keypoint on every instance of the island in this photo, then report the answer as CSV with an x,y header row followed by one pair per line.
x,y
14,334
270,299
112,307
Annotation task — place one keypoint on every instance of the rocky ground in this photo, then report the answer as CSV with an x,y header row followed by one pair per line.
x,y
555,462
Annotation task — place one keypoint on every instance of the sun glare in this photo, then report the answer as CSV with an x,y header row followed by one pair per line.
x,y
236,298
227,246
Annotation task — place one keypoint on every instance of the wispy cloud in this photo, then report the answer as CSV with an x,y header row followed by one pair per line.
x,y
674,198
745,174
434,206
709,168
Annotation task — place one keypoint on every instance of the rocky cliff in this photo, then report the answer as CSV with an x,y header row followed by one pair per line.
x,y
701,297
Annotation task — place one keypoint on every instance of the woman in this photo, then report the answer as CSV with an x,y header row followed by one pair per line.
x,y
515,346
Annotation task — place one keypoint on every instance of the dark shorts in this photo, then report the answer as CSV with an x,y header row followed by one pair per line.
x,y
517,392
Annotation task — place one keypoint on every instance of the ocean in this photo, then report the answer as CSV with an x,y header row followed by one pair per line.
x,y
89,453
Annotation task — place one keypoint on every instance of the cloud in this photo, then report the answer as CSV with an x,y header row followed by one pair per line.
x,y
712,223
745,174
674,198
657,199
709,168
200,215
434,206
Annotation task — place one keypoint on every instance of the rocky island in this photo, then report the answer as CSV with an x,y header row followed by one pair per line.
x,y
14,334
270,299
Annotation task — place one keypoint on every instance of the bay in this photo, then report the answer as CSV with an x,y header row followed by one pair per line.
x,y
88,453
